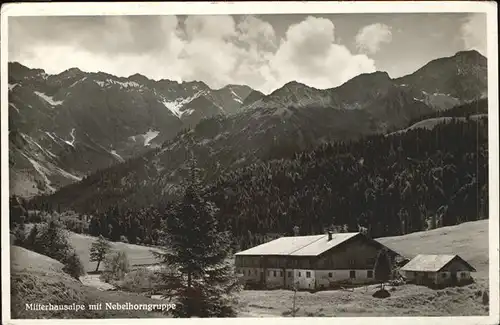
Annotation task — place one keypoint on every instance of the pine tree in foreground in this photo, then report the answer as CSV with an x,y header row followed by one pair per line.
x,y
98,251
202,279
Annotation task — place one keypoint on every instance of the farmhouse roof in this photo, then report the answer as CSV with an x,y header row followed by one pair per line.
x,y
433,263
299,245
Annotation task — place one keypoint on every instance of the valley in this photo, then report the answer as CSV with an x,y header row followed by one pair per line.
x,y
406,300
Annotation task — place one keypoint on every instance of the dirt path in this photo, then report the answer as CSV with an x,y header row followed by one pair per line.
x,y
93,280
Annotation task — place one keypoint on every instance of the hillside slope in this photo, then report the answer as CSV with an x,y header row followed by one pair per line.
x,y
38,279
137,255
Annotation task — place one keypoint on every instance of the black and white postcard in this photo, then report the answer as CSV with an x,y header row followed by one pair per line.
x,y
290,161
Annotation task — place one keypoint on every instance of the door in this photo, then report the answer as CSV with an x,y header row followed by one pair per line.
x,y
454,277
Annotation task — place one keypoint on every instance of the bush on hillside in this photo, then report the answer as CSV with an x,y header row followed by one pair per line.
x,y
75,224
140,280
486,298
50,239
116,266
73,265
19,235
31,241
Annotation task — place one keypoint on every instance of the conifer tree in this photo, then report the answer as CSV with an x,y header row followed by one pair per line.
x,y
383,267
203,279
73,265
98,251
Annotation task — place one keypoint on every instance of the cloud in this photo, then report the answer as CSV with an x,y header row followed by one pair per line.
x,y
473,32
369,38
310,55
217,50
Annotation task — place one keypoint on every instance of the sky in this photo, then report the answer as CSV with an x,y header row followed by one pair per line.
x,y
261,51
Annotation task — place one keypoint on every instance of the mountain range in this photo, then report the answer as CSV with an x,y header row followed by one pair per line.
x,y
94,128
63,127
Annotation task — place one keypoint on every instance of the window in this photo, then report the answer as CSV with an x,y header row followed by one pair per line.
x,y
308,274
256,272
330,275
463,274
281,273
352,274
443,275
299,273
352,262
369,274
289,274
274,273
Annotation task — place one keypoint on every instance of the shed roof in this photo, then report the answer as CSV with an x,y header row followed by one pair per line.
x,y
432,263
299,245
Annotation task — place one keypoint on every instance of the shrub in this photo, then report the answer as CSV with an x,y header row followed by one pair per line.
x,y
123,239
116,266
20,235
140,280
74,224
486,298
382,293
73,265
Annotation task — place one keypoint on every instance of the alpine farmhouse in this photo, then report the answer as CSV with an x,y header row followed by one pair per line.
x,y
438,270
311,262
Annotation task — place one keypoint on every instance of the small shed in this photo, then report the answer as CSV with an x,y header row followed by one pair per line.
x,y
438,270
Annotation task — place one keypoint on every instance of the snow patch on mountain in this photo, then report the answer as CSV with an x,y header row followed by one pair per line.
x,y
117,156
76,82
148,136
122,84
68,175
48,99
42,171
176,105
188,112
50,135
236,97
14,106
46,151
72,134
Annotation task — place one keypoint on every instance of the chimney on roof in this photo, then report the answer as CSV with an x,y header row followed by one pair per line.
x,y
330,235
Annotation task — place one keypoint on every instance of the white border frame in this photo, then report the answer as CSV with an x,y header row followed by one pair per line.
x,y
275,7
